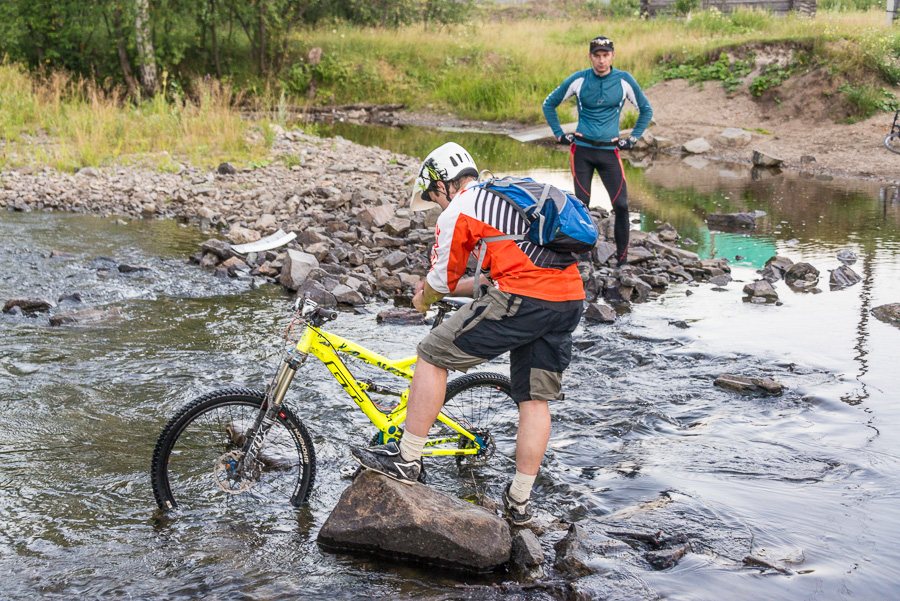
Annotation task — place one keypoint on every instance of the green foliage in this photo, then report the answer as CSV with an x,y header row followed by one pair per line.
x,y
684,7
866,100
770,77
697,69
628,120
615,8
740,20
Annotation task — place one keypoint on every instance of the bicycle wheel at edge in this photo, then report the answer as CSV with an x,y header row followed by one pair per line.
x,y
191,444
892,142
481,402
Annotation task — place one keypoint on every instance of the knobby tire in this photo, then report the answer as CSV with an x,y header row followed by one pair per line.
x,y
193,440
892,142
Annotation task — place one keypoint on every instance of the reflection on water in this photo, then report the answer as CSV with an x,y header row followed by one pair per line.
x,y
810,479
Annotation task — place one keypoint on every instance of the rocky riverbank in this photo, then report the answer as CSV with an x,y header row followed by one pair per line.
x,y
356,241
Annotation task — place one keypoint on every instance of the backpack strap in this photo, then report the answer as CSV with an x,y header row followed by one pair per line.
x,y
482,253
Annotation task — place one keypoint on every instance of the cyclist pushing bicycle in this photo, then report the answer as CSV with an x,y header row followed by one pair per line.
x,y
530,311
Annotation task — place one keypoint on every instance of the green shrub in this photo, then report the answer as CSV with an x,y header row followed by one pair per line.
x,y
697,69
771,76
850,5
628,120
866,100
683,7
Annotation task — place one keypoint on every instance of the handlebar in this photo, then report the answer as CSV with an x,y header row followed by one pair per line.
x,y
444,306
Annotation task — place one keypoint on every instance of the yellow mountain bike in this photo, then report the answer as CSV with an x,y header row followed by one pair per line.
x,y
248,445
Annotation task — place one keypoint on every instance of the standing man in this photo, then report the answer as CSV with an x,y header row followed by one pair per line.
x,y
531,311
601,92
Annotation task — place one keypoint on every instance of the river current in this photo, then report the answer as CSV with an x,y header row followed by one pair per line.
x,y
809,480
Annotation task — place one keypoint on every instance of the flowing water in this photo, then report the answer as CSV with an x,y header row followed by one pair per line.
x,y
809,480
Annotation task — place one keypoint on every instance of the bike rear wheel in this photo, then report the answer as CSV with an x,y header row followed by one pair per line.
x,y
194,456
892,142
482,403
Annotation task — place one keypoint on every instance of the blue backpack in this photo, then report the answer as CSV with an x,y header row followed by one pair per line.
x,y
557,221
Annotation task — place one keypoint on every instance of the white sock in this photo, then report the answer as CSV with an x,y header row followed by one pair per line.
x,y
520,489
411,446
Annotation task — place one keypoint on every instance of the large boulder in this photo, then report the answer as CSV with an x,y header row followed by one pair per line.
x,y
762,159
382,516
776,267
297,266
734,137
35,304
696,146
761,291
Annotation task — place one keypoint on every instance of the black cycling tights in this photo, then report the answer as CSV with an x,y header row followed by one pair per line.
x,y
612,174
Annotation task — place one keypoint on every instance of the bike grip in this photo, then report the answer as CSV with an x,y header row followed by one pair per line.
x,y
327,314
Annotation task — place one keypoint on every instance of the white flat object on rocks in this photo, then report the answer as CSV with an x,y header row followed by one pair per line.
x,y
275,240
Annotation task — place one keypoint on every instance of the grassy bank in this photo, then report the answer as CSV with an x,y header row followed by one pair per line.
x,y
498,71
67,123
489,70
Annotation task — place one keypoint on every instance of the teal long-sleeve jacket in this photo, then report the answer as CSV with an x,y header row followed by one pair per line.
x,y
600,102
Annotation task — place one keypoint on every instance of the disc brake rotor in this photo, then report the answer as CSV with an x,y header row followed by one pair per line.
x,y
483,457
229,475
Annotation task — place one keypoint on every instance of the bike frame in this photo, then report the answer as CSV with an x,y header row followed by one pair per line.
x,y
326,347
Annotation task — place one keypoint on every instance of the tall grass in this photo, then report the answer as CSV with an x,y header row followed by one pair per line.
x,y
91,127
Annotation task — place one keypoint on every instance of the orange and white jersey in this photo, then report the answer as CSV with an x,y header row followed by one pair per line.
x,y
517,267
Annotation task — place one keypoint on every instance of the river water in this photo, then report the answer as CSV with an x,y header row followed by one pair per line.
x,y
809,480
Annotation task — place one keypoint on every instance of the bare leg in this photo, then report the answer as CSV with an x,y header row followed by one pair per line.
x,y
426,397
533,435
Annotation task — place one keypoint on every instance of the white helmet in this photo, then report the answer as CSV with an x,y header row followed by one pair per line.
x,y
444,164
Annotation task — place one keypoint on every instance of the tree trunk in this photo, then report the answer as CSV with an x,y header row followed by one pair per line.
x,y
262,36
130,82
146,58
215,41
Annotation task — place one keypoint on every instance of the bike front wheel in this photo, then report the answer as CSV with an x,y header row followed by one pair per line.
x,y
892,142
196,454
482,403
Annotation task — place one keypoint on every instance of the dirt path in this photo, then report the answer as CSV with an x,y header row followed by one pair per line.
x,y
683,112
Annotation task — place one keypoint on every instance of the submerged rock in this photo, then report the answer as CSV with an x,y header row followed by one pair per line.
x,y
749,385
401,316
597,313
378,515
731,222
33,304
847,257
842,277
888,314
89,315
776,267
801,275
761,289
526,549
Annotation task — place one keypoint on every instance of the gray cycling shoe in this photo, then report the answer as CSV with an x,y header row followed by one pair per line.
x,y
519,513
386,459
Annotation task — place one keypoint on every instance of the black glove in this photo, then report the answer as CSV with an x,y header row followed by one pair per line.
x,y
626,143
566,139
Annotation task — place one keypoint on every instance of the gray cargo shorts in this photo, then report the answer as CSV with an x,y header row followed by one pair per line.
x,y
537,336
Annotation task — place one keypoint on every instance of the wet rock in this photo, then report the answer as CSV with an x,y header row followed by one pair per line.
x,y
667,233
379,515
297,266
720,280
401,316
220,248
526,549
58,254
227,169
762,159
696,146
33,304
71,297
761,289
127,268
888,314
842,277
731,222
775,268
234,266
801,275
759,562
85,316
734,137
663,559
345,295
597,313
573,553
847,257
749,385
679,324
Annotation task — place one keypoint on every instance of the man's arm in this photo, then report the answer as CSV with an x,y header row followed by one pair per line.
x,y
643,106
553,100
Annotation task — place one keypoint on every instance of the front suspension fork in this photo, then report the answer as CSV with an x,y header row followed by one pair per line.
x,y
274,398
